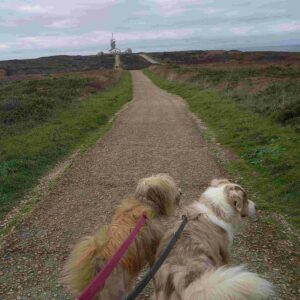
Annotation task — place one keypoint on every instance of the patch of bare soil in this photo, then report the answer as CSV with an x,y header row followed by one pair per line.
x,y
154,134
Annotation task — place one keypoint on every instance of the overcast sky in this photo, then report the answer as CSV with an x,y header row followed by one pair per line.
x,y
30,28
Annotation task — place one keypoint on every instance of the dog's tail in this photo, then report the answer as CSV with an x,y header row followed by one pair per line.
x,y
233,283
84,262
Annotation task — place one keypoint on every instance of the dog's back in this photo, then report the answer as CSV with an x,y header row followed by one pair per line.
x,y
195,267
195,253
156,197
91,253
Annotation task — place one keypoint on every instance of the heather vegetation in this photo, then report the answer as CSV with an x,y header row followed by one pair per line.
x,y
270,90
133,62
28,103
42,121
54,64
220,56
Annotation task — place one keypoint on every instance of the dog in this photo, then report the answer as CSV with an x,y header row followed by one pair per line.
x,y
196,267
156,197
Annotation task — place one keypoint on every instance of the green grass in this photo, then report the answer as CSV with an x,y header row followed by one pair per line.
x,y
58,63
269,153
29,103
278,100
234,75
25,157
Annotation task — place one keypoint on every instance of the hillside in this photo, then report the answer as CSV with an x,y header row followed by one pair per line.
x,y
54,64
16,69
221,56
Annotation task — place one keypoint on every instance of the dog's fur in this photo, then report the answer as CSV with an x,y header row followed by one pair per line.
x,y
195,268
156,197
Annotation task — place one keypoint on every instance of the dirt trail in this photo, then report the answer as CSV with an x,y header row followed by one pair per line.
x,y
150,59
117,61
154,134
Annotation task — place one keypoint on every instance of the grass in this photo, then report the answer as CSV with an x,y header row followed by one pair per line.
x,y
219,56
26,156
133,62
269,153
58,63
27,104
272,91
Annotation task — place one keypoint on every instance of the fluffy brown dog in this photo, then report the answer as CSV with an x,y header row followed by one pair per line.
x,y
156,197
195,270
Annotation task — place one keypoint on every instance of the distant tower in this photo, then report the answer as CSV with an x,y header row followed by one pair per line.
x,y
112,42
113,48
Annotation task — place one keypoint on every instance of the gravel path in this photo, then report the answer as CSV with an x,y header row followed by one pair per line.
x,y
150,59
154,134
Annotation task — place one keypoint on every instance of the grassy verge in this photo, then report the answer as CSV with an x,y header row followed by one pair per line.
x,y
30,103
269,153
27,156
271,91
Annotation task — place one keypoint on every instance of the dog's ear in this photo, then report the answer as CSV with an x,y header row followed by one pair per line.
x,y
237,197
217,182
160,197
157,191
238,204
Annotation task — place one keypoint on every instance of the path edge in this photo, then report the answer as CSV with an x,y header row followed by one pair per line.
x,y
36,195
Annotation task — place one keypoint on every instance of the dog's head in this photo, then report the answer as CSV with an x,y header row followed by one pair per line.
x,y
233,197
160,192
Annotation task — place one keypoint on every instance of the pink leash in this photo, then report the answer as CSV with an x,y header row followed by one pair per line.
x,y
97,283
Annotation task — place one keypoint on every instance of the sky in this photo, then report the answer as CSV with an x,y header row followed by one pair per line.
x,y
30,28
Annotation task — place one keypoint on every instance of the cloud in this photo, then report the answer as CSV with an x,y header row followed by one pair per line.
x,y
268,28
56,7
39,27
240,30
289,26
153,35
4,47
142,13
97,38
176,7
174,12
33,8
259,20
212,10
54,14
21,8
64,23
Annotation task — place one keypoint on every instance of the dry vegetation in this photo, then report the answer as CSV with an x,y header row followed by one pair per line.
x,y
44,117
272,90
133,62
59,63
221,56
